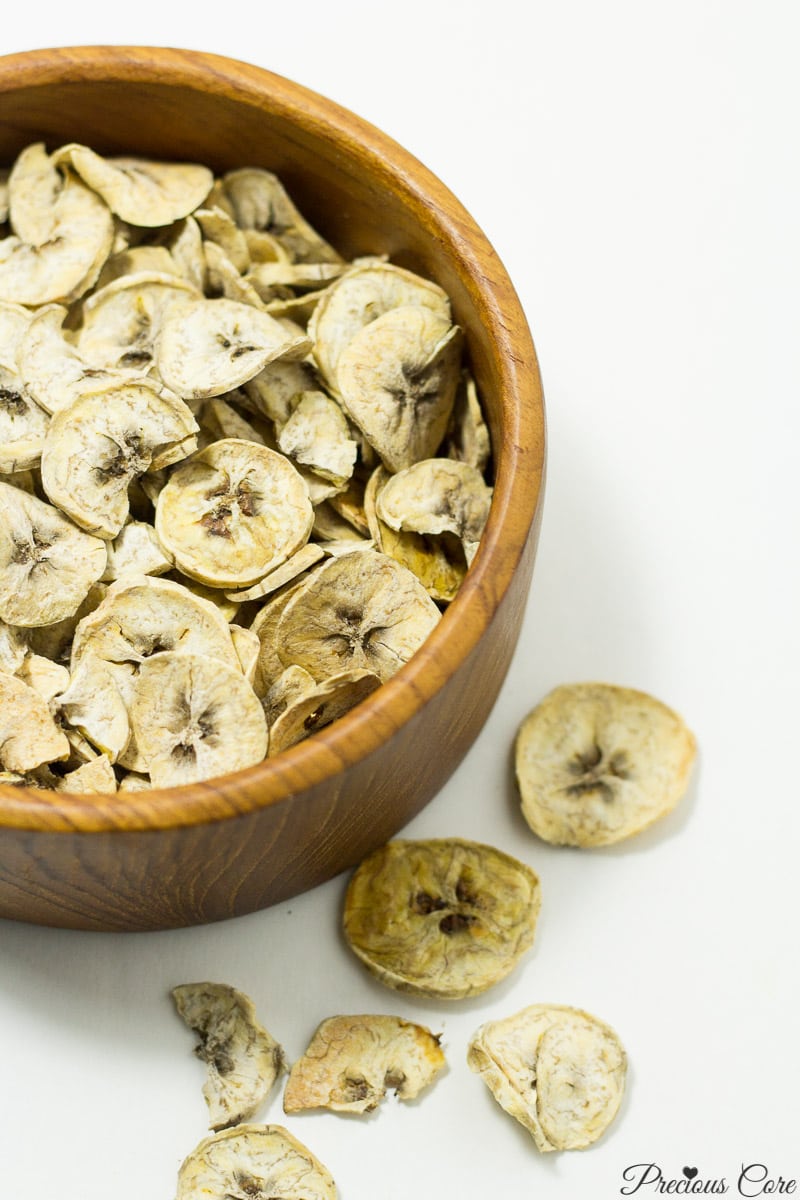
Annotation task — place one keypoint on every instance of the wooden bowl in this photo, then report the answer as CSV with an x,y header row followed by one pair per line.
x,y
184,856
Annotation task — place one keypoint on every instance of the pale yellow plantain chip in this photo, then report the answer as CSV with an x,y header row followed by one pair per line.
x,y
95,777
54,640
47,564
13,647
468,438
140,617
224,281
352,1061
273,390
268,275
93,704
265,624
243,1059
319,706
248,648
291,684
135,260
23,425
253,1162
29,737
597,763
362,294
439,563
95,448
397,381
208,347
67,264
557,1070
233,513
34,186
223,421
358,612
121,321
194,718
316,435
444,918
139,191
257,200
436,496
219,227
48,679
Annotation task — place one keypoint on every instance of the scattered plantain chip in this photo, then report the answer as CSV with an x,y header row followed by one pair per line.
x,y
444,918
351,1062
244,1061
559,1071
597,763
253,1162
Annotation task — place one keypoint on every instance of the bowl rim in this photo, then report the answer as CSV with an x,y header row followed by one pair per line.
x,y
519,461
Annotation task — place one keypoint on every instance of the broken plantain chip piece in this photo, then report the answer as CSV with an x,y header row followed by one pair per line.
x,y
597,763
253,1162
559,1071
352,1061
444,918
244,1061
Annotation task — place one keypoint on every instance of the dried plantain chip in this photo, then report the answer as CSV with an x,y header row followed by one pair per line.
x,y
320,705
352,1061
29,737
445,918
436,496
559,1071
23,425
397,381
47,564
233,513
253,1162
360,611
194,718
244,1061
597,763
139,191
96,776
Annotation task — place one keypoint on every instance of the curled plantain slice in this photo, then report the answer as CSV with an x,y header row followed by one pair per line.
x,y
253,1162
233,513
139,191
208,347
437,496
597,763
352,1061
445,918
47,564
397,381
316,435
318,706
257,200
194,718
93,704
357,612
96,448
244,1061
557,1070
364,293
74,233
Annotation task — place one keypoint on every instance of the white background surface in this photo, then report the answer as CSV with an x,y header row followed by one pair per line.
x,y
635,166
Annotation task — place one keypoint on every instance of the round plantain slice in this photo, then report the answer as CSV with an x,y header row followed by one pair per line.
x,y
208,347
358,612
47,564
557,1070
397,381
233,513
29,737
597,763
253,1162
351,1062
96,448
244,1061
141,192
194,718
445,918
